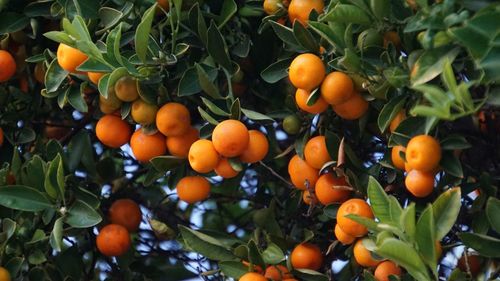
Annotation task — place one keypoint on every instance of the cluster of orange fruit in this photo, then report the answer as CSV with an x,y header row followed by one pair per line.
x,y
114,239
308,74
297,9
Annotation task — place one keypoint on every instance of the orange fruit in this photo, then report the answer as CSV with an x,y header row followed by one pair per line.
x,y
316,153
7,66
257,148
173,119
396,158
423,153
306,72
419,183
306,256
392,37
70,58
362,256
230,138
143,113
473,261
385,269
225,170
39,72
327,193
357,207
277,272
163,4
1,137
112,131
254,268
113,240
397,120
94,77
179,145
111,103
271,7
337,88
300,171
252,276
202,156
300,9
146,147
193,189
319,106
126,89
343,237
309,198
126,213
353,108
4,274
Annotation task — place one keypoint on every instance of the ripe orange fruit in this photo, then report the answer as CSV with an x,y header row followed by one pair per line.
x,y
225,170
4,274
353,108
327,193
94,77
39,72
254,268
271,7
126,213
277,272
193,189
423,153
252,276
357,207
362,256
111,103
1,137
69,58
419,183
316,153
113,240
396,158
202,156
126,89
337,88
309,198
7,66
146,147
306,256
257,148
163,4
173,119
319,106
343,237
306,72
397,120
392,37
230,138
473,261
300,9
112,131
300,171
386,268
179,145
143,113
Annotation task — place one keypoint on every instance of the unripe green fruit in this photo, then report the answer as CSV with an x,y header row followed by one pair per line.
x,y
291,124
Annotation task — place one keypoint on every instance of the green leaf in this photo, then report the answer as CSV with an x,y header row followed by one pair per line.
x,y
82,215
330,34
11,22
389,112
407,221
493,213
206,84
234,269
452,142
276,71
369,223
87,9
214,108
217,47
273,254
425,238
54,76
109,17
56,235
254,256
75,98
229,9
113,45
109,80
190,84
142,33
309,275
379,201
430,64
236,109
205,245
166,163
24,198
451,164
486,245
207,117
285,34
345,13
54,179
446,209
305,38
254,115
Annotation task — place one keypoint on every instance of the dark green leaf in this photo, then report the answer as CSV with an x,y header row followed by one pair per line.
x,y
12,22
486,245
234,269
164,164
217,47
56,235
254,115
430,64
205,245
142,33
206,85
82,215
54,76
276,71
305,38
493,213
389,112
346,13
229,8
273,254
24,198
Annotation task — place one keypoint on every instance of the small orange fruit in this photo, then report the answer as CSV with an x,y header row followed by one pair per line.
x,y
230,138
419,183
306,72
143,113
202,156
193,189
7,66
255,268
271,7
473,262
316,153
318,107
309,198
4,274
94,77
397,120
225,170
362,256
179,145
113,240
277,272
385,269
257,148
70,58
163,4
423,153
396,158
173,119
300,9
126,213
111,103
337,88
300,171
327,193
39,72
392,37
112,131
252,276
353,108
1,137
126,89
306,256
357,207
343,237
146,147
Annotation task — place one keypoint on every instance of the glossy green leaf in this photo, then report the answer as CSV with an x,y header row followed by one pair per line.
x,y
254,115
486,245
82,215
54,179
217,47
56,235
276,71
166,163
305,38
229,9
426,238
12,22
407,221
205,245
430,64
234,269
273,254
346,13
379,201
54,76
206,85
24,198
142,33
493,213
446,209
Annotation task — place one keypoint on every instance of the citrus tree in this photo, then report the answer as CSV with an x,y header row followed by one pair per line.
x,y
249,140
